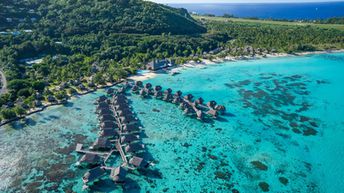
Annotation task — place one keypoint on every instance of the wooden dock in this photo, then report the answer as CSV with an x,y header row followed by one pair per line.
x,y
123,156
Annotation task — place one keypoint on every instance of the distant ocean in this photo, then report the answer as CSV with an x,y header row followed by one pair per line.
x,y
270,10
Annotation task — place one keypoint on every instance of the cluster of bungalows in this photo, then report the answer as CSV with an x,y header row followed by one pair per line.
x,y
129,142
119,131
99,152
196,108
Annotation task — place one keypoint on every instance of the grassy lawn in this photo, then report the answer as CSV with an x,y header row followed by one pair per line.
x,y
267,22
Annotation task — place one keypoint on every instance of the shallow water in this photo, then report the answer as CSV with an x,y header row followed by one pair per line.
x,y
285,123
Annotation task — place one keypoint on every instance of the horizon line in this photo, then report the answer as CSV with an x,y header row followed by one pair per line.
x,y
262,2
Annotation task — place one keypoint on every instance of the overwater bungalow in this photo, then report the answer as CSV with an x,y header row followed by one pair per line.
x,y
158,94
168,95
103,105
101,144
108,124
157,88
120,106
124,112
119,96
109,133
178,94
143,93
188,97
139,83
211,104
120,102
188,111
89,160
177,100
106,117
135,89
212,112
138,162
93,175
126,139
118,174
148,86
200,115
130,128
183,105
220,108
168,91
199,101
134,148
128,120
104,111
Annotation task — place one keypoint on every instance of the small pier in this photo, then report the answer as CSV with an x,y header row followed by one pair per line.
x,y
80,150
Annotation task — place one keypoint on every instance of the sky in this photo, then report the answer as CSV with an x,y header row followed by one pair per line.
x,y
239,1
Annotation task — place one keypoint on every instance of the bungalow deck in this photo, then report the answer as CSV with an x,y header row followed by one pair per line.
x,y
103,154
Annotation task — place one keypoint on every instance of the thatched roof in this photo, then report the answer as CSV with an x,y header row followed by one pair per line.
x,y
130,128
90,159
129,138
118,174
102,143
135,147
108,124
108,132
211,104
138,162
106,117
93,174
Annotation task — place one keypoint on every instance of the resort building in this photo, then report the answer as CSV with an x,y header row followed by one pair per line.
x,y
102,144
138,162
89,160
118,174
93,175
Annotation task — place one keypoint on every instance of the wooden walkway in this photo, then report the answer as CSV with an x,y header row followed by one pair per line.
x,y
123,156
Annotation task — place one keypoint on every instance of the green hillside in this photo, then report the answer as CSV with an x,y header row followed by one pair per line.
x,y
74,17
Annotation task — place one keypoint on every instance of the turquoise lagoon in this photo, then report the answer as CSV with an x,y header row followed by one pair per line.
x,y
283,132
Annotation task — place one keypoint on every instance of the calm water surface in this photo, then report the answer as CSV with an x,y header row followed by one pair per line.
x,y
283,132
316,10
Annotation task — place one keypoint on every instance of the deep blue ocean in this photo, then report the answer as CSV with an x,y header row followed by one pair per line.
x,y
288,11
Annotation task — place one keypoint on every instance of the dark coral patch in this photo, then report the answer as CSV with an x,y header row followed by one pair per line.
x,y
259,165
309,132
283,180
264,186
223,175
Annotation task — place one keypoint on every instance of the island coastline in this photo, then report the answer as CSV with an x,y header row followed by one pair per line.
x,y
152,74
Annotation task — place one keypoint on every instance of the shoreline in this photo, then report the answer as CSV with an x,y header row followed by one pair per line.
x,y
37,110
151,74
205,62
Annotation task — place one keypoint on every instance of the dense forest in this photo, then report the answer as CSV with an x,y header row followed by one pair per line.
x,y
52,49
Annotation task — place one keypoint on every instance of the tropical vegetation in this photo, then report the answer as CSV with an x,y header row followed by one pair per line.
x,y
53,49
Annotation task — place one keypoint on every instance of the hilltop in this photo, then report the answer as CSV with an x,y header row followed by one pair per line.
x,y
76,17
